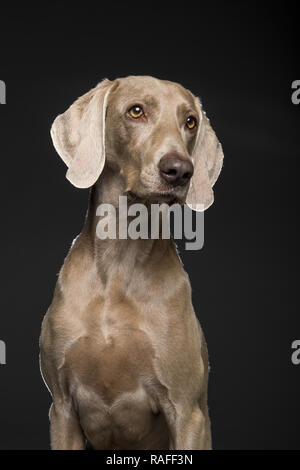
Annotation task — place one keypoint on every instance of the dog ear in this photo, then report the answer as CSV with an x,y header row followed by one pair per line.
x,y
78,136
207,158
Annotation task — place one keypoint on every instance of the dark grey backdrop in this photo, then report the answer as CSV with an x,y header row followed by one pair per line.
x,y
241,58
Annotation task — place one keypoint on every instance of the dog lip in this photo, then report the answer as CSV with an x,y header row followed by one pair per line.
x,y
131,194
163,194
168,196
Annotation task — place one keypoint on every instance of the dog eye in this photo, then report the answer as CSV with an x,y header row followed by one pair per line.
x,y
136,111
191,122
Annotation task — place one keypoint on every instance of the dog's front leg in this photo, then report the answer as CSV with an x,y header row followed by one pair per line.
x,y
189,430
65,430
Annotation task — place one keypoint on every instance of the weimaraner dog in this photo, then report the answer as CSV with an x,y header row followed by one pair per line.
x,y
122,351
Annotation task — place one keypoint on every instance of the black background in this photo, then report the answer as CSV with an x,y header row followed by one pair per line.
x,y
241,59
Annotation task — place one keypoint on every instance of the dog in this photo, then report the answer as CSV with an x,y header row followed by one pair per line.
x,y
121,349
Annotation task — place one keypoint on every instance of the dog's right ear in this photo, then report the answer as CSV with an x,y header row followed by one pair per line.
x,y
79,136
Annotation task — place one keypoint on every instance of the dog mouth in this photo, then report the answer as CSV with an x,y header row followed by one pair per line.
x,y
166,196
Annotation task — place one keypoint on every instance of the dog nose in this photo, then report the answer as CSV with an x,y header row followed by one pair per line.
x,y
177,171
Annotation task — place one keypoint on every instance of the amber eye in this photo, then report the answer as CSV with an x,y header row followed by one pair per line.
x,y
136,111
191,122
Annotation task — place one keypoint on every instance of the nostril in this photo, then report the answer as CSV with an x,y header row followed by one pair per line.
x,y
187,176
170,172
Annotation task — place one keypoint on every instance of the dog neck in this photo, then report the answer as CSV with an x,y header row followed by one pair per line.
x,y
121,255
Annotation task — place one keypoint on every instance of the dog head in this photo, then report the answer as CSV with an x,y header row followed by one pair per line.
x,y
154,133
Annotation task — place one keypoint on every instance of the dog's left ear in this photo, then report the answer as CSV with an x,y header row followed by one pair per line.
x,y
79,136
207,158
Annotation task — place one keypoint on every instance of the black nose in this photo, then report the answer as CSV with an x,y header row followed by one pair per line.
x,y
176,170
